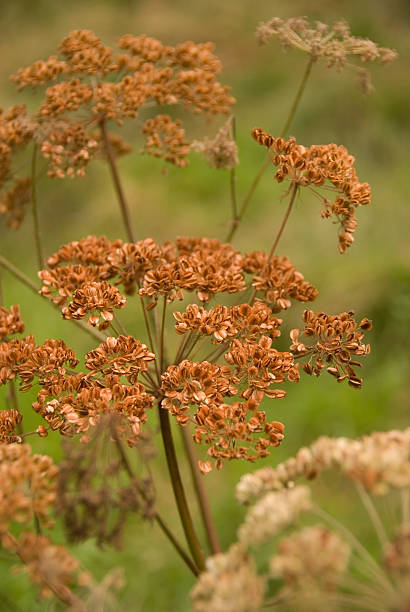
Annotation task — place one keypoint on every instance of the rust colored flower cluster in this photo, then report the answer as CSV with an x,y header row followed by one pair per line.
x,y
10,321
28,484
335,45
278,280
315,166
90,84
339,339
9,420
95,296
226,323
228,429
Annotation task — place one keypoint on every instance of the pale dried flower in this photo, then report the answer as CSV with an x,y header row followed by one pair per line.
x,y
221,152
272,513
229,584
335,45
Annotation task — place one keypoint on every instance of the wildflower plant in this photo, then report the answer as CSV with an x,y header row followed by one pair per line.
x,y
212,365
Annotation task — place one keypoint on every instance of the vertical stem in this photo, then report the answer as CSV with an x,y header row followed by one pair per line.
x,y
295,187
163,526
162,333
373,514
201,493
178,488
125,211
405,506
34,208
267,161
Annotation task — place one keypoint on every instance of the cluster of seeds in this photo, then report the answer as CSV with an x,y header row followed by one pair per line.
x,y
10,321
338,339
314,167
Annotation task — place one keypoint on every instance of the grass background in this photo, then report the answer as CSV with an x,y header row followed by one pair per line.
x,y
373,277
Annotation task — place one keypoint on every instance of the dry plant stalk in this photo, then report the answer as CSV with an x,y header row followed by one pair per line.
x,y
218,381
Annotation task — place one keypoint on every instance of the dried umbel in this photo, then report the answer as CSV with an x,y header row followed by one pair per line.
x,y
315,167
220,152
28,486
379,462
338,339
10,321
91,84
229,584
94,497
335,45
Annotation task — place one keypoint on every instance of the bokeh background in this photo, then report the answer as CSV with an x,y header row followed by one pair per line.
x,y
373,277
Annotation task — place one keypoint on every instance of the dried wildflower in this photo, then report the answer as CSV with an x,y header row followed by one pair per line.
x,y
278,279
90,84
223,322
229,429
165,138
27,485
13,202
316,166
27,360
221,152
311,558
272,513
338,339
379,462
229,584
95,296
50,566
122,356
397,554
10,321
9,420
335,45
92,496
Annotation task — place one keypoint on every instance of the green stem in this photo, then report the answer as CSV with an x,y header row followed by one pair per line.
x,y
201,493
178,488
125,211
236,221
34,208
162,333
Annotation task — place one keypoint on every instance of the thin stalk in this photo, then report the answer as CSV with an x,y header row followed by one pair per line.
x,y
373,514
179,493
34,209
162,334
267,161
201,493
5,263
148,328
1,289
161,523
405,506
125,211
294,191
181,346
120,325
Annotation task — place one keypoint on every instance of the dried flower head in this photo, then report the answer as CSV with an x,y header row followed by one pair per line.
x,y
272,513
339,338
10,321
93,497
379,462
221,152
229,584
335,45
9,420
28,485
315,167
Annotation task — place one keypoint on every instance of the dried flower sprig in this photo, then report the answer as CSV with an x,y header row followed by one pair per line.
x,y
313,167
335,44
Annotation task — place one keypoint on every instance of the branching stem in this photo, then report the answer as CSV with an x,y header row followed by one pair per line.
x,y
34,208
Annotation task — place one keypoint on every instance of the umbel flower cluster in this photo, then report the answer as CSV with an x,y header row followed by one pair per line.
x,y
90,85
318,566
215,353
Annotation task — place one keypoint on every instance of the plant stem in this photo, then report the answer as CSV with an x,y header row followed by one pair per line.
x,y
125,211
201,493
162,333
148,328
5,263
294,188
161,523
373,514
178,488
236,221
34,208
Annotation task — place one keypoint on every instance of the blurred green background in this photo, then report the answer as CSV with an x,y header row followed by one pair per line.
x,y
373,277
